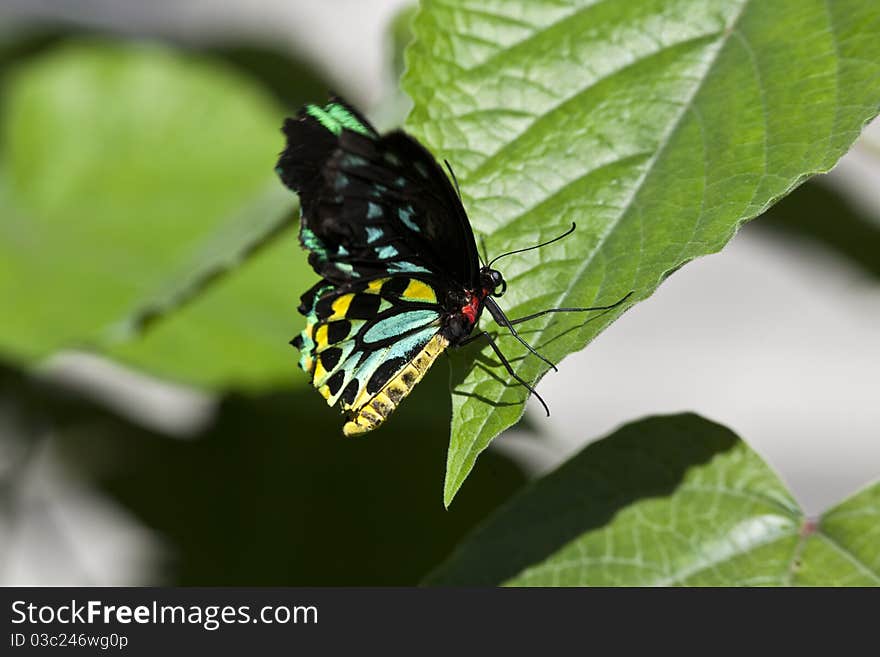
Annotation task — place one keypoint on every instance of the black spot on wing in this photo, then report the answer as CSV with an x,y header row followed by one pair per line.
x,y
395,287
384,373
364,306
324,306
350,392
310,297
338,331
334,383
330,358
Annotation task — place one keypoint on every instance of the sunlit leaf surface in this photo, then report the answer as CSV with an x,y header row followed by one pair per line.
x,y
658,126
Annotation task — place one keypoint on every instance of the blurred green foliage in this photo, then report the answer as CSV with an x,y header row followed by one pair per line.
x,y
122,162
270,493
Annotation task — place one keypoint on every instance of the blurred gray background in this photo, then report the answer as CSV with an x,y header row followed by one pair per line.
x,y
775,337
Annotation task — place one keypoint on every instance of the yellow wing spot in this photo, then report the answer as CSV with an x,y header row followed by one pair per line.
x,y
418,291
325,393
340,307
375,287
321,336
320,372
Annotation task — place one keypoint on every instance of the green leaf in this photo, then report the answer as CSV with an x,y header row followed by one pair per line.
x,y
659,127
133,175
238,312
400,35
842,550
670,500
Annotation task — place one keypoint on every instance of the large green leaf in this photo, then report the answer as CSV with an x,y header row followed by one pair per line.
x,y
659,126
133,175
224,317
668,501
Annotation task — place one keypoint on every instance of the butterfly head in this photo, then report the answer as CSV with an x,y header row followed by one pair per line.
x,y
492,282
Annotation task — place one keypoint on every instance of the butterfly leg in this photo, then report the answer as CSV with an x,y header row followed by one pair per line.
x,y
519,320
499,316
506,363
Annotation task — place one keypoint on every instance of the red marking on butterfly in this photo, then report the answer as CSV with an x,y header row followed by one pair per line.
x,y
471,310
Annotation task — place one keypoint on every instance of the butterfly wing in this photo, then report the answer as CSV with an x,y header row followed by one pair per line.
x,y
389,237
368,343
374,205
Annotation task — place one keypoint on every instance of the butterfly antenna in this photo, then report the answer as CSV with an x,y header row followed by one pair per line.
x,y
536,246
454,179
485,257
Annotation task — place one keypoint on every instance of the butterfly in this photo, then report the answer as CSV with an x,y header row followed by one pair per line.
x,y
401,277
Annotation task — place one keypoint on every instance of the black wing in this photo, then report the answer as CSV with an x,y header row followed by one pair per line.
x,y
374,205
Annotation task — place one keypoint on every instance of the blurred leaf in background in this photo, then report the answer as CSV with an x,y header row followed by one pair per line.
x,y
290,80
670,500
659,127
271,494
131,170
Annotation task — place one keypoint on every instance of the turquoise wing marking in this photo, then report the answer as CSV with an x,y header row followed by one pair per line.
x,y
335,117
361,366
400,324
